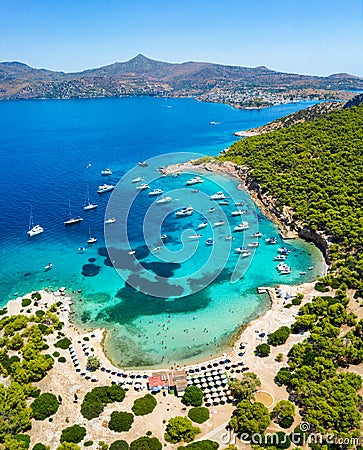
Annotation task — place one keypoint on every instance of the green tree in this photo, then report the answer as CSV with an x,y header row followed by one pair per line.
x,y
73,434
120,421
202,445
279,336
245,387
199,414
119,445
193,396
93,363
144,405
40,446
68,446
263,350
283,413
180,429
44,406
146,443
250,418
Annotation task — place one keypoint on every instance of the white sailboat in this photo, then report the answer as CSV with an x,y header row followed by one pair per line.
x,y
72,220
33,229
87,204
91,239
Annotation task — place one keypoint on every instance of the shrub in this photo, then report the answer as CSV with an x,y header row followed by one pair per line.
x,y
279,357
119,445
199,414
193,396
39,313
23,438
36,296
56,354
279,336
93,363
26,302
321,287
63,343
146,443
40,446
286,422
62,359
94,401
296,301
44,329
44,406
120,421
88,443
180,429
144,405
74,434
283,376
263,350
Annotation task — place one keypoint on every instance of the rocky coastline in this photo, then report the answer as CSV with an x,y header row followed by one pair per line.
x,y
289,227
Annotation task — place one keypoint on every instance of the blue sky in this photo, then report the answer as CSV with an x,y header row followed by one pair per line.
x,y
304,36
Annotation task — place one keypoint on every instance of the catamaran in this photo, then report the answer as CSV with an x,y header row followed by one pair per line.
x,y
34,229
72,220
87,204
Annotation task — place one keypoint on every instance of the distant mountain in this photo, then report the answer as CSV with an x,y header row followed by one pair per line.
x,y
144,76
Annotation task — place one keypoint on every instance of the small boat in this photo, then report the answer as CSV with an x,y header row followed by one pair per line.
x,y
241,227
72,220
48,266
156,192
143,186
184,212
244,252
163,200
211,210
87,204
271,240
284,250
81,249
105,188
283,268
310,268
302,273
229,238
219,223
224,202
239,204
132,252
285,271
257,235
194,191
142,164
280,257
157,249
194,180
106,172
34,229
136,180
209,241
163,237
91,239
111,220
218,196
202,225
253,244
237,213
195,236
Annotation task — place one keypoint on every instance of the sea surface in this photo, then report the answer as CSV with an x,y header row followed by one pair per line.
x,y
52,152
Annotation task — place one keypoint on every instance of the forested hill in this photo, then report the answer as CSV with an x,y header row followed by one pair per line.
x,y
316,168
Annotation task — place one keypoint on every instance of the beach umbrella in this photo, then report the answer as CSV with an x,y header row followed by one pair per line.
x,y
203,380
209,378
213,389
207,374
218,383
204,385
215,395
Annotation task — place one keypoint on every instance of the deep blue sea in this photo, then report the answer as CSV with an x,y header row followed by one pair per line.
x,y
51,151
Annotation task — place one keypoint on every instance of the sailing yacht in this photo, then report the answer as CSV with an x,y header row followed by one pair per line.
x,y
33,229
91,240
72,220
87,204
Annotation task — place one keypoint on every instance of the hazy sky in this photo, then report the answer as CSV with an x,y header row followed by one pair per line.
x,y
305,36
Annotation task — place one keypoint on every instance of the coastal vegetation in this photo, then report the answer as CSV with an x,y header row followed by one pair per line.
x,y
95,401
315,168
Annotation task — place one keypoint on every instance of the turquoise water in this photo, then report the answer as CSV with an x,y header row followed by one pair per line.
x,y
51,151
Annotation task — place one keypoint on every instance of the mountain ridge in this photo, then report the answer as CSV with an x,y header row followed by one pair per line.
x,y
145,76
